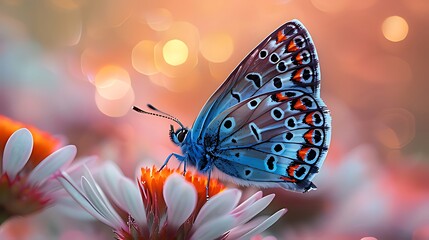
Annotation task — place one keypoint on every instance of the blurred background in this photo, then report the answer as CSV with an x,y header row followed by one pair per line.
x,y
74,68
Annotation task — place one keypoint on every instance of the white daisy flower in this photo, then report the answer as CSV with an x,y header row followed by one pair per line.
x,y
166,205
26,174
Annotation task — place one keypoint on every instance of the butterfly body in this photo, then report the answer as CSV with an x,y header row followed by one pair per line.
x,y
266,125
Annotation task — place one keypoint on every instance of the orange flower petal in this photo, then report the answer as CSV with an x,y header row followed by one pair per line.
x,y
44,144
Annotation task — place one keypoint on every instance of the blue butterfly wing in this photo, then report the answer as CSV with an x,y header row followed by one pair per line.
x,y
280,137
285,59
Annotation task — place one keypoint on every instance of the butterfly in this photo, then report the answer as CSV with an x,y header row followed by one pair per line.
x,y
266,125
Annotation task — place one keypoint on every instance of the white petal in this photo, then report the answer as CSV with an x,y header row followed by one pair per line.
x,y
214,228
68,206
51,164
265,224
221,204
248,202
82,200
95,194
110,175
181,198
248,213
133,201
101,204
240,230
17,152
75,169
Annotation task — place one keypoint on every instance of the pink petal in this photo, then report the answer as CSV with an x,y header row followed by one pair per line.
x,y
51,164
221,204
181,198
17,151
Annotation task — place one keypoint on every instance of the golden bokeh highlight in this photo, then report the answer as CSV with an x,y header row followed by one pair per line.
x,y
217,47
175,52
159,19
112,82
395,28
186,33
142,57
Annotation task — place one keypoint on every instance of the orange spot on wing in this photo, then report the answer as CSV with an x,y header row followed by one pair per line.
x,y
309,119
299,105
280,36
302,153
297,76
292,47
291,169
309,136
280,97
299,58
287,179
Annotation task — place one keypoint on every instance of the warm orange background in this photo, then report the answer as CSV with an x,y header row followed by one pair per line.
x,y
75,68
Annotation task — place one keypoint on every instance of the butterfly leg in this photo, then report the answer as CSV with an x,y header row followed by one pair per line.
x,y
184,167
178,167
179,157
208,185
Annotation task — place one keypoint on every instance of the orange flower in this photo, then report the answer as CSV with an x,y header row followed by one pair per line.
x,y
152,181
44,143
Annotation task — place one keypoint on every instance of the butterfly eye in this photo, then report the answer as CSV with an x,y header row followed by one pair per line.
x,y
181,134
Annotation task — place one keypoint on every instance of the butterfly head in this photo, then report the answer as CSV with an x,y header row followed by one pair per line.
x,y
178,136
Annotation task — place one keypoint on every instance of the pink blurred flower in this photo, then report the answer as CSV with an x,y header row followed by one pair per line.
x,y
166,204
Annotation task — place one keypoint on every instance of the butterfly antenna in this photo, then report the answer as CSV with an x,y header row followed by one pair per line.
x,y
166,115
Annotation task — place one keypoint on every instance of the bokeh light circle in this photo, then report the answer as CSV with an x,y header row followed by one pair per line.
x,y
115,108
175,52
395,28
396,127
142,57
159,19
217,47
112,82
